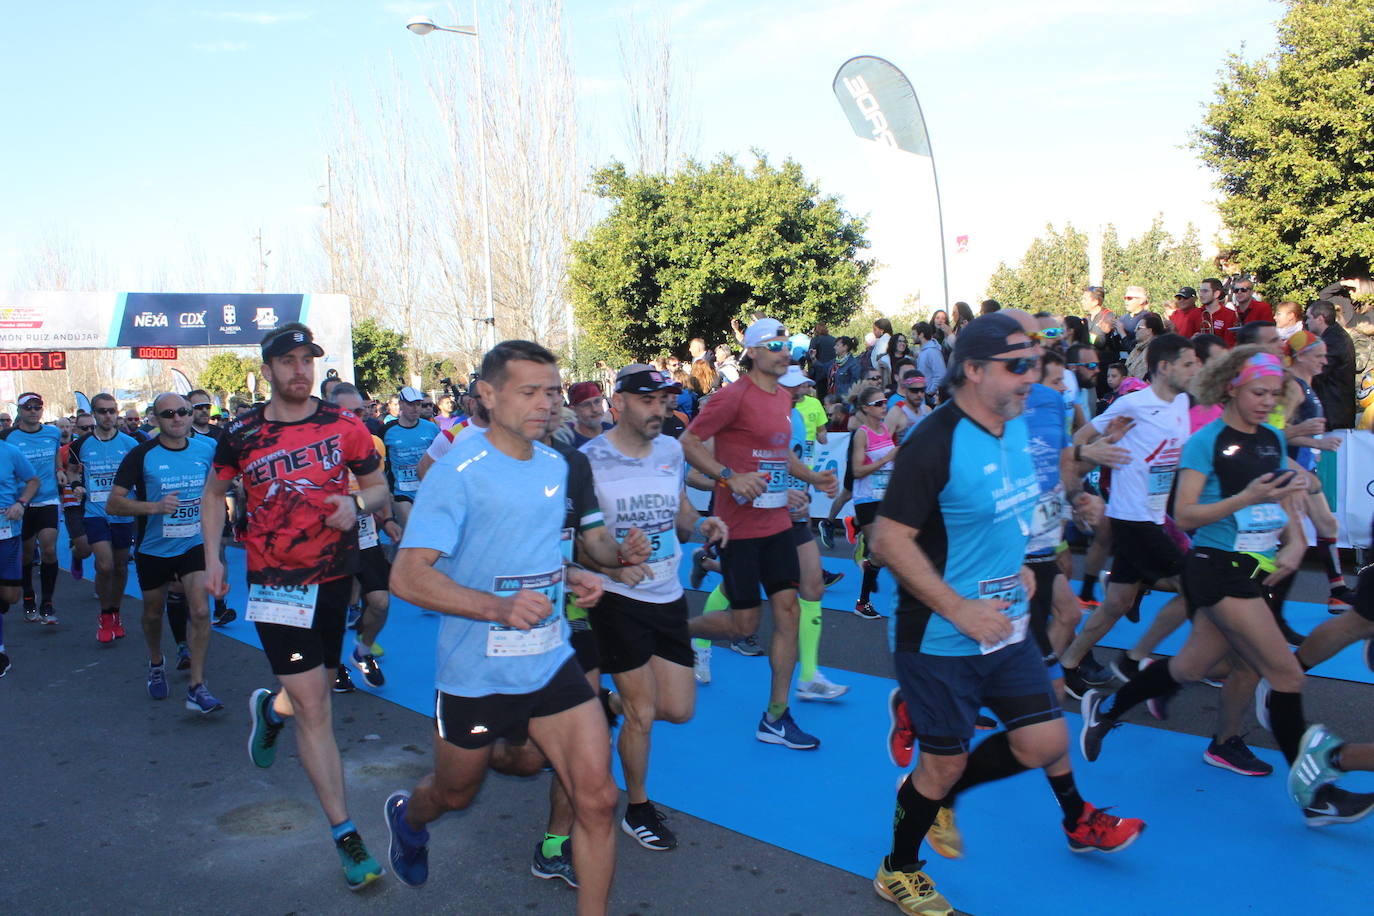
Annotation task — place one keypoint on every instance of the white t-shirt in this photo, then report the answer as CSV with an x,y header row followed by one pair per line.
x,y
1070,388
450,437
1140,490
878,355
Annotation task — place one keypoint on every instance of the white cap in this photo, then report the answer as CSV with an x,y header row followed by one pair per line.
x,y
794,378
411,394
764,330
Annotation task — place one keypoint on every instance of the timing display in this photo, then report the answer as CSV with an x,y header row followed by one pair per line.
x,y
32,360
153,352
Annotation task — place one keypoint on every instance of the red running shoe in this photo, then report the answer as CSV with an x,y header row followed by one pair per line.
x,y
118,626
901,737
104,631
851,529
1102,832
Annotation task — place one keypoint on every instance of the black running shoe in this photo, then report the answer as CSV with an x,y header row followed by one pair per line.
x,y
1233,754
369,668
1074,684
342,682
830,578
1125,667
1334,805
646,824
225,616
1095,727
1093,672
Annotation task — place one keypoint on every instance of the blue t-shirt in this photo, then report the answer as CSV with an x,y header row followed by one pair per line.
x,y
498,523
40,447
1231,459
1048,434
100,461
15,471
404,449
971,497
150,472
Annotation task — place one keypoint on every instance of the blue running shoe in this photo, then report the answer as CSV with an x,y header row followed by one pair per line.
x,y
785,732
559,866
748,646
199,699
409,852
183,657
1313,768
262,738
157,681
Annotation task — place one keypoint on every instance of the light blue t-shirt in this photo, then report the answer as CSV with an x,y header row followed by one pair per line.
x,y
40,447
15,471
498,523
1048,435
150,472
100,462
404,449
1231,460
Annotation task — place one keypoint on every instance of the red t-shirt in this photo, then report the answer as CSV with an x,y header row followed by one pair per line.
x,y
1223,323
753,432
288,470
1187,323
1259,310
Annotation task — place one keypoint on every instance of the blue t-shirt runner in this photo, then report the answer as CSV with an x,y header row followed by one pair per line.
x,y
100,460
152,471
15,473
40,447
405,446
1231,460
1047,429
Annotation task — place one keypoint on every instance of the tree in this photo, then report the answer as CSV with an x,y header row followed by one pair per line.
x,y
680,255
226,374
379,357
1288,137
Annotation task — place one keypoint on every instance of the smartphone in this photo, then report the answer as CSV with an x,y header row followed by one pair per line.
x,y
1283,477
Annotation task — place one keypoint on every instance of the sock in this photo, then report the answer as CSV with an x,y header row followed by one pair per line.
x,y
176,615
553,845
1286,722
220,606
775,711
28,581
1331,560
716,601
637,806
809,638
1066,792
911,821
700,643
1085,591
870,583
47,579
1154,681
273,716
991,760
339,831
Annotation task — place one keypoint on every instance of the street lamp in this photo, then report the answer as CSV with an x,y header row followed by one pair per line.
x,y
423,25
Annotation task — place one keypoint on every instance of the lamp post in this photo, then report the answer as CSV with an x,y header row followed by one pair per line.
x,y
423,25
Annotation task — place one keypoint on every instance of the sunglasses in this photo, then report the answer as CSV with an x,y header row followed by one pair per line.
x,y
1017,365
174,412
205,406
874,378
427,406
104,410
775,346
1085,365
85,429
875,403
1048,334
31,406
1242,289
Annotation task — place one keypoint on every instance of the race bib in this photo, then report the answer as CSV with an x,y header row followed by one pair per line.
x,y
1010,589
367,532
1047,521
99,491
662,547
407,479
504,642
775,497
8,528
1161,481
881,478
1258,528
184,522
288,605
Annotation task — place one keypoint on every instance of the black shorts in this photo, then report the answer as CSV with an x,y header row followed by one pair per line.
x,y
943,693
293,650
748,564
37,518
1364,600
630,632
583,642
1210,575
866,514
475,722
1142,552
374,570
155,572
802,534
1046,570
402,498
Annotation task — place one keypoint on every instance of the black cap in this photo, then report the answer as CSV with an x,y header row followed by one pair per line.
x,y
1186,293
287,338
637,378
987,336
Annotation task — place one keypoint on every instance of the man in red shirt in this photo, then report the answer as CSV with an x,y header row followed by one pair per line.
x,y
1248,308
1186,316
752,462
1217,317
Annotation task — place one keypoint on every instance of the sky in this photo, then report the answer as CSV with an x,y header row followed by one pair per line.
x,y
157,132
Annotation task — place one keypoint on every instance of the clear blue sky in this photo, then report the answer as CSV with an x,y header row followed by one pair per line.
x,y
145,129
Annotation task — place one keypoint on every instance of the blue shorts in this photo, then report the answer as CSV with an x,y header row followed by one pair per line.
x,y
11,567
943,693
120,534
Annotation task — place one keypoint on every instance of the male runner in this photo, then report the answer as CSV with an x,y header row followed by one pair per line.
x,y
159,483
73,493
201,407
504,667
98,456
18,484
40,444
406,441
294,453
476,423
754,465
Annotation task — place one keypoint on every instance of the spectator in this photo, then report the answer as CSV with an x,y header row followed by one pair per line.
x,y
822,358
930,358
989,306
939,320
689,395
706,379
1288,319
726,365
1186,316
846,370
1217,318
878,356
962,316
697,347
1334,385
1208,347
899,354
1150,327
1102,332
1248,308
1137,301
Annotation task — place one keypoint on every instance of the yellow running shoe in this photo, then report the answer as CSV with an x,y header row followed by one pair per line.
x,y
912,891
944,835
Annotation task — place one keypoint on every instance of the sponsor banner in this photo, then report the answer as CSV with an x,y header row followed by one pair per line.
x,y
1355,486
55,321
880,104
200,320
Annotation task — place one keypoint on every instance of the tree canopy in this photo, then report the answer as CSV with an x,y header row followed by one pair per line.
x,y
379,358
226,374
1289,139
680,255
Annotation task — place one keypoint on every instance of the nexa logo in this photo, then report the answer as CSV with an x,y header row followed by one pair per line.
x,y
150,320
192,320
870,109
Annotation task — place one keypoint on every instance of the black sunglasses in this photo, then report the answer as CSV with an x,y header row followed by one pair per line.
x,y
174,412
31,406
86,429
1085,365
104,410
1017,365
1242,289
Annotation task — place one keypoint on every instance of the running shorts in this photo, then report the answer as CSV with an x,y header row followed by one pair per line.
x,y
293,650
866,514
120,534
1046,570
1210,575
1142,552
374,570
1364,600
155,572
630,632
11,566
802,534
475,722
768,562
38,518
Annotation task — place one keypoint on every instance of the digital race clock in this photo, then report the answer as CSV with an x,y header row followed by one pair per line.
x,y
32,360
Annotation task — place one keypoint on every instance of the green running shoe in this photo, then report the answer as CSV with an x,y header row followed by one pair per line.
x,y
262,739
360,869
1313,768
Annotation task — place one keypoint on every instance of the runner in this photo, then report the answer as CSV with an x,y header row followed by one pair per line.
x,y
953,528
752,462
907,406
294,453
159,483
97,456
40,444
472,425
72,493
871,453
503,665
201,408
18,485
406,441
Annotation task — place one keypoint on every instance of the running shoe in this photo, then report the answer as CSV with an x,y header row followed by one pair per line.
x,y
559,866
371,671
76,570
225,616
183,656
30,609
1232,754
860,550
1074,684
1334,805
820,688
912,891
354,616
829,578
645,824
865,610
1088,604
901,736
1095,728
944,836
748,646
826,534
4,664
47,616
851,529
157,681
698,573
1313,768
262,738
701,665
408,850
118,626
786,732
1262,691
1124,667
1098,831
343,683
1093,672
359,868
1339,602
104,628
199,699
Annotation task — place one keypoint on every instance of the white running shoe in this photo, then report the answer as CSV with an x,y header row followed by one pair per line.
x,y
701,665
820,688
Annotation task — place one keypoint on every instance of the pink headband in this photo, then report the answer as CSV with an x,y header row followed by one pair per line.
x,y
1257,366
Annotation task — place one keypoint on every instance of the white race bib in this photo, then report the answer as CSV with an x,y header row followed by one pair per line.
x,y
546,635
1012,590
407,480
1161,482
881,478
288,605
775,497
8,529
367,531
1258,528
184,522
1047,521
99,491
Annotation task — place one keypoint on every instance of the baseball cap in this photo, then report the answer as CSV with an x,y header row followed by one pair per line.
x,y
288,338
638,378
411,394
583,391
987,336
764,330
28,396
794,378
1186,293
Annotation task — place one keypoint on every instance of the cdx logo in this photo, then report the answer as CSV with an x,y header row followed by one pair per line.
x,y
191,320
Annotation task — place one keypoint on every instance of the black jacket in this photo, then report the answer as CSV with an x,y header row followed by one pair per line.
x,y
1335,386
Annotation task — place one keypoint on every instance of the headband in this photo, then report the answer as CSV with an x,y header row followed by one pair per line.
x,y
1257,366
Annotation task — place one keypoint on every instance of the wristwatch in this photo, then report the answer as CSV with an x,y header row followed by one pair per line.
x,y
725,474
358,501
23,502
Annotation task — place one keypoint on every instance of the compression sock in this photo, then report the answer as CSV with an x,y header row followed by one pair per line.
x,y
809,638
1085,591
339,831
47,580
1066,792
716,601
176,615
220,606
990,761
870,583
775,711
1331,560
912,820
28,581
552,847
1286,722
1151,682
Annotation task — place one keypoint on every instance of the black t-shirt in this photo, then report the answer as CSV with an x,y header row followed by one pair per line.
x,y
582,502
824,345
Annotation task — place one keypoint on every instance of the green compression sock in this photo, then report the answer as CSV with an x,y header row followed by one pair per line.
x,y
553,846
716,601
809,638
775,711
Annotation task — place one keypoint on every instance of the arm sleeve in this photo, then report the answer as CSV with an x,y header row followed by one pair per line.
x,y
919,474
719,412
